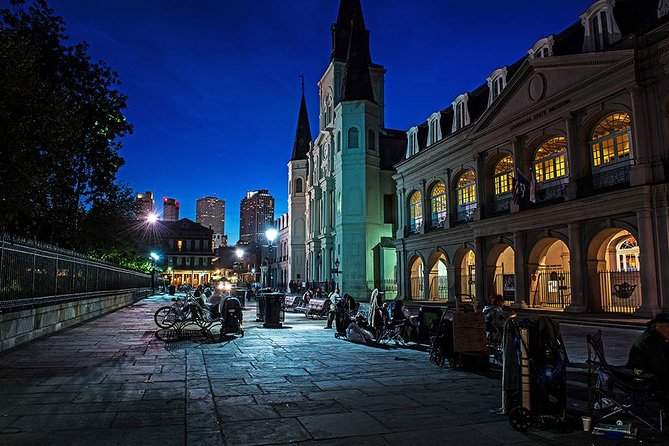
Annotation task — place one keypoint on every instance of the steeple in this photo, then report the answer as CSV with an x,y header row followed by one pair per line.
x,y
303,132
342,36
357,82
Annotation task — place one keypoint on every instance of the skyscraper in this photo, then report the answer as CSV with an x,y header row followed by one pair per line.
x,y
256,213
145,204
170,209
210,213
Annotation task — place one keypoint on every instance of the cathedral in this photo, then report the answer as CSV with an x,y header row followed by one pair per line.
x,y
341,197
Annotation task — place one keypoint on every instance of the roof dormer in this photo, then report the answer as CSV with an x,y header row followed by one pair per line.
x,y
496,83
600,26
460,112
434,128
412,142
542,48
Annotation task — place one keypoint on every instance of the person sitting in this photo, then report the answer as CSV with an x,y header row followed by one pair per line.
x,y
650,353
358,331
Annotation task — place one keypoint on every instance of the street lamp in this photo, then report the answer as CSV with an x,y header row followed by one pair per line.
x,y
152,217
154,257
240,253
335,270
271,234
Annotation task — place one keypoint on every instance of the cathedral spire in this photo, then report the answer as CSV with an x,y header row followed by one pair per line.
x,y
357,81
342,36
303,132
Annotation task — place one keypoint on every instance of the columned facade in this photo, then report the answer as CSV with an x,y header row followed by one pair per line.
x,y
556,187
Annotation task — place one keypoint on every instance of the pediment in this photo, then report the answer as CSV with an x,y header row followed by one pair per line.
x,y
546,82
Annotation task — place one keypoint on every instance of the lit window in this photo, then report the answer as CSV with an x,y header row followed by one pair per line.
x,y
611,140
179,245
503,177
438,203
550,161
415,210
628,255
466,195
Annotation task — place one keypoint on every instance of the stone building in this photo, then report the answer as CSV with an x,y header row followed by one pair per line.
x,y
548,183
187,253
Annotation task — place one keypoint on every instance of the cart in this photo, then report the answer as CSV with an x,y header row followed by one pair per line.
x,y
468,339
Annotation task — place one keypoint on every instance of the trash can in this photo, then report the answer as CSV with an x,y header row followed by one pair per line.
x,y
240,294
260,307
274,312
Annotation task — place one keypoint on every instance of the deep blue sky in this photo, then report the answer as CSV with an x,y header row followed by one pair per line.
x,y
214,86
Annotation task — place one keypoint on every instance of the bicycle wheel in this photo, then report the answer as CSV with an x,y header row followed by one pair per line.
x,y
165,317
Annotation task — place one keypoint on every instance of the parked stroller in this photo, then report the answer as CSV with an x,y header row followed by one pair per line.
x,y
441,344
534,379
344,314
231,316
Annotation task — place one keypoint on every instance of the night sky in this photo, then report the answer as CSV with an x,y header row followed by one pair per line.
x,y
214,86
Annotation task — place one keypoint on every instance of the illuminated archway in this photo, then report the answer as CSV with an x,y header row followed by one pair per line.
x,y
465,273
416,275
501,271
438,276
550,281
614,271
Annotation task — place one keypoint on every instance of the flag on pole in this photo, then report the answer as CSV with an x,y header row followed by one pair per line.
x,y
533,187
521,189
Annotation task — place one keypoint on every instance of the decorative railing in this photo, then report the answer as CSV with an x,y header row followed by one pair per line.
x,y
465,215
611,177
30,269
502,203
620,291
551,193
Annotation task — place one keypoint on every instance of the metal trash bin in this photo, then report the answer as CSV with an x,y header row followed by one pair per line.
x,y
260,307
274,310
240,294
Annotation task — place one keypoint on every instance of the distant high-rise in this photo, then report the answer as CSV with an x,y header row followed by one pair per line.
x,y
210,213
170,209
145,204
256,213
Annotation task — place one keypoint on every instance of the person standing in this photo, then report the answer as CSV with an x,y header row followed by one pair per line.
x,y
334,300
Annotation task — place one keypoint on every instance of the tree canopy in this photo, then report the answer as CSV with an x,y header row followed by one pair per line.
x,y
61,124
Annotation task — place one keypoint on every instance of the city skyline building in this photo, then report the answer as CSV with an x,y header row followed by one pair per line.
x,y
145,204
210,213
256,213
170,209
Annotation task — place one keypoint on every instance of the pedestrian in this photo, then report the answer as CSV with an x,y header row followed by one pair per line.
x,y
334,300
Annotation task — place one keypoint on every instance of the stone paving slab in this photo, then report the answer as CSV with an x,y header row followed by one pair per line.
x,y
110,381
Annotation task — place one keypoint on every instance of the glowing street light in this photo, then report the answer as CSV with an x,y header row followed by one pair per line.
x,y
152,218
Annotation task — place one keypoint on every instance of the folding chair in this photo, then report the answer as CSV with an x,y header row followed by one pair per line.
x,y
618,390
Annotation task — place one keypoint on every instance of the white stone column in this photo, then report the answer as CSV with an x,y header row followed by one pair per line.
x,y
577,270
649,292
519,255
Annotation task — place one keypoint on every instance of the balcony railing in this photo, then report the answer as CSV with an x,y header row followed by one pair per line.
x,y
465,215
502,203
611,177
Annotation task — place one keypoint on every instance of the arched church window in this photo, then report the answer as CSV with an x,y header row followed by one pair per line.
x,y
503,177
415,211
438,205
298,186
466,194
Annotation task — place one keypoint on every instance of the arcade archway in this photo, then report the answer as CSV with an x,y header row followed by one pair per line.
x,y
550,281
501,263
614,271
416,275
465,273
438,277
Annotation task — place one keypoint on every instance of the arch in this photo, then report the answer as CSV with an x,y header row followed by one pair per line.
x,y
464,263
465,192
438,203
415,204
549,269
298,186
353,138
614,265
438,271
550,160
501,270
416,277
610,140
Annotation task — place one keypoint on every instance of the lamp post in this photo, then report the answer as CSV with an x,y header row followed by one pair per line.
x,y
335,270
271,234
154,258
240,253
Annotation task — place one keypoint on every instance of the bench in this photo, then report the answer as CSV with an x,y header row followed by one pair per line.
x,y
317,308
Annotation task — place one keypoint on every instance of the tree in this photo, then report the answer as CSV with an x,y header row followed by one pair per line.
x,y
61,124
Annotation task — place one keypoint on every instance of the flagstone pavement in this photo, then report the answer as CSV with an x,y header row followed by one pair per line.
x,y
110,381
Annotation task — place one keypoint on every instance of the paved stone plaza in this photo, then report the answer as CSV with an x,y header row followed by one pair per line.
x,y
111,382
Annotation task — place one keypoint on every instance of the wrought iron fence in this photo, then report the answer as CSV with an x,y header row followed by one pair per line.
x,y
30,269
611,177
439,288
620,291
387,286
552,289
